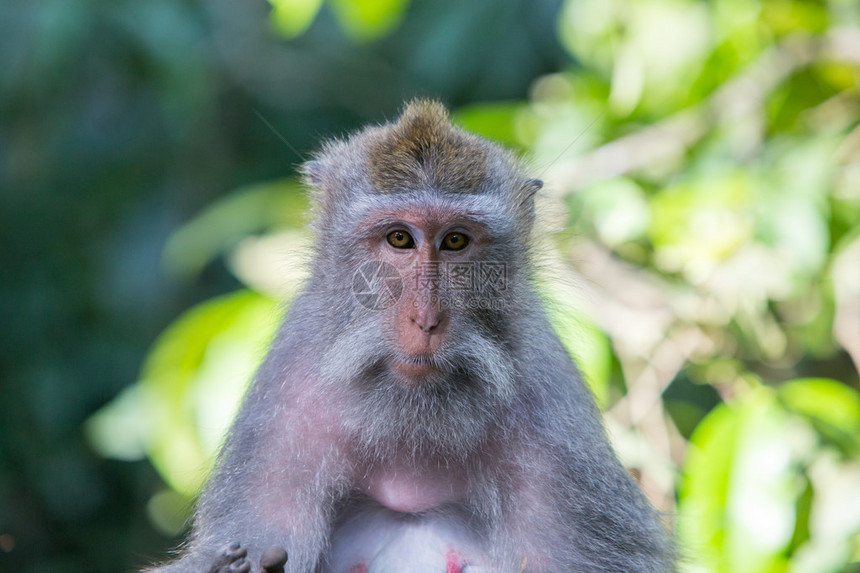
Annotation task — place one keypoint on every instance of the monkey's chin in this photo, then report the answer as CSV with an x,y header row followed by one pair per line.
x,y
413,369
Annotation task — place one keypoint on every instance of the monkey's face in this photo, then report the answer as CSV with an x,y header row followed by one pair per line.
x,y
430,247
427,369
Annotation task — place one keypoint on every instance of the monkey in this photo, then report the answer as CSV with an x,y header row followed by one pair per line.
x,y
416,412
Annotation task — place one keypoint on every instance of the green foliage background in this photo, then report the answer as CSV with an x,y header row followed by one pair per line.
x,y
701,219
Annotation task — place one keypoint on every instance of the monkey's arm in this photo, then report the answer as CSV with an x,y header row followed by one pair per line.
x,y
278,475
573,507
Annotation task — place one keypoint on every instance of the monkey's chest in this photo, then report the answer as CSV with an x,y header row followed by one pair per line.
x,y
408,490
375,539
409,521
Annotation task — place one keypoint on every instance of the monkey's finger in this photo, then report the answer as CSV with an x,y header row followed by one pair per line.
x,y
235,552
228,556
240,566
273,560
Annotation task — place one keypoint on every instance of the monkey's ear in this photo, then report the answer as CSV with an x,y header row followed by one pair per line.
x,y
313,172
532,186
529,188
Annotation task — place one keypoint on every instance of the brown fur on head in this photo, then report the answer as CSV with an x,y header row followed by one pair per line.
x,y
423,149
419,154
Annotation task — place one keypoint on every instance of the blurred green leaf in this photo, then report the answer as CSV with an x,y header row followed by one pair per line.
x,y
587,344
292,17
832,407
792,212
169,511
739,499
496,121
616,210
222,225
194,378
646,49
707,485
365,20
791,16
119,429
190,387
701,221
804,509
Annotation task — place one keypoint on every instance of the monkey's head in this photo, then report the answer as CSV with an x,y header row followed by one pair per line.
x,y
430,225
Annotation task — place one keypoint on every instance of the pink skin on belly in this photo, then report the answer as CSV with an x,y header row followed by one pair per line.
x,y
358,568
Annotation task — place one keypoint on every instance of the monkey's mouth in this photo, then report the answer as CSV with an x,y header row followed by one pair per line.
x,y
415,366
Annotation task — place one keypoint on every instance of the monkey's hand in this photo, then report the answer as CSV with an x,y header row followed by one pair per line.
x,y
233,559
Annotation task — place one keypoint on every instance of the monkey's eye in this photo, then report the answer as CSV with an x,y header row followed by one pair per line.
x,y
454,241
400,240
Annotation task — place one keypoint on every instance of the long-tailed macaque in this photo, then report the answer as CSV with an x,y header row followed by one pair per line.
x,y
416,412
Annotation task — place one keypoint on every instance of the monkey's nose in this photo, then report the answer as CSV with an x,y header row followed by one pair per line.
x,y
428,319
